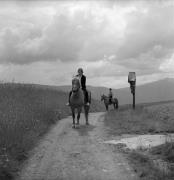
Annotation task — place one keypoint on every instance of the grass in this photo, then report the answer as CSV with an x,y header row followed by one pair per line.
x,y
142,120
164,151
26,114
156,163
144,166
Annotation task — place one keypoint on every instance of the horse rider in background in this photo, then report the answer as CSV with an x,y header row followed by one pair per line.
x,y
82,80
110,95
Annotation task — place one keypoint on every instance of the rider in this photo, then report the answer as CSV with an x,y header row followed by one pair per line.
x,y
110,95
82,79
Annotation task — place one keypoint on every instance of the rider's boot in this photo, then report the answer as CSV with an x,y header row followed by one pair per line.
x,y
86,97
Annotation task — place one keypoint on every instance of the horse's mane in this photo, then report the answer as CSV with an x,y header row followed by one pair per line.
x,y
75,80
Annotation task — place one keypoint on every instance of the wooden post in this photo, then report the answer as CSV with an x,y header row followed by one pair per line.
x,y
133,95
133,100
132,81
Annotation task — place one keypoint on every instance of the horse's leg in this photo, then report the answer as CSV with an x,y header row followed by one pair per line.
x,y
78,115
106,107
73,116
86,109
117,105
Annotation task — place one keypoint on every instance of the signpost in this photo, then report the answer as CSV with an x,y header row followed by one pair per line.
x,y
132,81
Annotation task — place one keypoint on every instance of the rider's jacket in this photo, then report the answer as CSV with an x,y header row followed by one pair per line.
x,y
82,80
110,94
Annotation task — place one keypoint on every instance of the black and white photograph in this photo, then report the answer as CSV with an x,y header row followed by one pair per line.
x,y
86,89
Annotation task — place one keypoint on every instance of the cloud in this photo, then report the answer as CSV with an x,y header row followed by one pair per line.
x,y
168,65
77,33
108,39
51,73
147,29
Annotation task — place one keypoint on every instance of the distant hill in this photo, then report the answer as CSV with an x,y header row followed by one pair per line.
x,y
162,90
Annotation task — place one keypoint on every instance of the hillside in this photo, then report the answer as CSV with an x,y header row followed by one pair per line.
x,y
162,90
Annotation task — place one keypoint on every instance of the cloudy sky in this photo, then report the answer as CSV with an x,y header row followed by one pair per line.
x,y
46,41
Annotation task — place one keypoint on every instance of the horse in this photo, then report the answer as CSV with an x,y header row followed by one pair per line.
x,y
114,101
77,101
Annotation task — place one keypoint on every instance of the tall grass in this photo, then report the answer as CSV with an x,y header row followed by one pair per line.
x,y
26,112
144,166
144,119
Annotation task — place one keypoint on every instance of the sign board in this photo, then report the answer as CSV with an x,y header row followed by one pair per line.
x,y
132,77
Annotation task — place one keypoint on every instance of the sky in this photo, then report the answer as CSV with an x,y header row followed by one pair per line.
x,y
45,42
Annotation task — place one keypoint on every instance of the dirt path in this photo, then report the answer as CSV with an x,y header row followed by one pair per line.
x,y
76,154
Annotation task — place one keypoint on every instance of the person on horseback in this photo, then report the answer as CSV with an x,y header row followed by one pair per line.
x,y
110,95
82,80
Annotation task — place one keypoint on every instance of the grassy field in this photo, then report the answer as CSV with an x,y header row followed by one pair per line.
x,y
26,114
152,118
156,163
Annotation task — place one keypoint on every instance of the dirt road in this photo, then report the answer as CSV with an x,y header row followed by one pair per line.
x,y
76,154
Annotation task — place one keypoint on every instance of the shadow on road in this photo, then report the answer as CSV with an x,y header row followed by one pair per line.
x,y
84,129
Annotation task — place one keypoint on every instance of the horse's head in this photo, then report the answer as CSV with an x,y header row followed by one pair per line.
x,y
102,97
75,84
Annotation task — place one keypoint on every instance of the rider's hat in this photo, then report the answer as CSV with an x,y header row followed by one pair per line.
x,y
80,70
110,89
